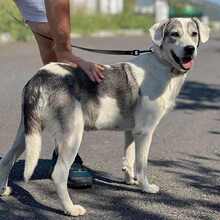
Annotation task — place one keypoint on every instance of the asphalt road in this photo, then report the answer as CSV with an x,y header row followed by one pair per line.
x,y
184,156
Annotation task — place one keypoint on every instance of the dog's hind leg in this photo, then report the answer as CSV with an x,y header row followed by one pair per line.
x,y
7,162
129,159
72,132
142,147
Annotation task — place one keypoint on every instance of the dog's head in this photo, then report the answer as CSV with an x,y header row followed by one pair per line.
x,y
178,40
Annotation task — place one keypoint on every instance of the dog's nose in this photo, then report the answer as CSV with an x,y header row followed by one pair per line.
x,y
189,50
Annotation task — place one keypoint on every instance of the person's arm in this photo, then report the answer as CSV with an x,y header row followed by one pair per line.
x,y
58,13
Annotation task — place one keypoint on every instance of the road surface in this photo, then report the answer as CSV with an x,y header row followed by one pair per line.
x,y
184,156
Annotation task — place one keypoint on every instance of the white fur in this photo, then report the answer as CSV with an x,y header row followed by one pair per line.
x,y
55,69
32,149
129,159
109,113
204,31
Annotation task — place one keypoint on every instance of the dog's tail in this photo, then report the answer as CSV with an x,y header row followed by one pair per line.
x,y
33,150
33,129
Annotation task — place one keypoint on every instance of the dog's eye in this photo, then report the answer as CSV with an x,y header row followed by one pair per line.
x,y
194,34
175,34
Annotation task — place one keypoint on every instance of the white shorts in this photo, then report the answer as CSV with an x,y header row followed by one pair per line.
x,y
32,10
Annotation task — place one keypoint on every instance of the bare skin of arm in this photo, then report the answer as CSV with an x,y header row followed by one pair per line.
x,y
58,13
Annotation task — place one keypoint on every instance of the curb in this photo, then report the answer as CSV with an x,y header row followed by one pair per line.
x,y
7,38
126,32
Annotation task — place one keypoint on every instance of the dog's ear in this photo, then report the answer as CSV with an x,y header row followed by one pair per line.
x,y
203,29
157,32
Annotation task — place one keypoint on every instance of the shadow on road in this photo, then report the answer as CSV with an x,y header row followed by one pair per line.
x,y
192,172
42,170
24,197
199,96
215,132
103,182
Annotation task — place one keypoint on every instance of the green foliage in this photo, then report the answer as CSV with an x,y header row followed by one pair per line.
x,y
9,25
81,22
85,23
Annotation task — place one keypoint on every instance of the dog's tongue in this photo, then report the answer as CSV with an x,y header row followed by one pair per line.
x,y
188,64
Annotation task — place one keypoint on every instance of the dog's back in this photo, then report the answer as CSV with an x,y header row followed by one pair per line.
x,y
58,85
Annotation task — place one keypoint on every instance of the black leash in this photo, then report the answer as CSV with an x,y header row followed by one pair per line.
x,y
135,52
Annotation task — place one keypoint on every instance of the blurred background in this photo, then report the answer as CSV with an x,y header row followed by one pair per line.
x,y
92,16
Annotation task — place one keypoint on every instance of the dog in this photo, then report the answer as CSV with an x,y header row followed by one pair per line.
x,y
133,97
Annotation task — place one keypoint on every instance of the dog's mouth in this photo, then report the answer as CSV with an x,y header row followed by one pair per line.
x,y
185,63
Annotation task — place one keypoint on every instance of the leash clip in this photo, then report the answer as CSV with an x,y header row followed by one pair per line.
x,y
136,52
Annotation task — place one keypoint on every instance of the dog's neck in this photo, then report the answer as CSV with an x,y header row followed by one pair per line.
x,y
153,63
154,74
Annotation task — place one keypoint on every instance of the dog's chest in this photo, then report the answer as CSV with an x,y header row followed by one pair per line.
x,y
167,99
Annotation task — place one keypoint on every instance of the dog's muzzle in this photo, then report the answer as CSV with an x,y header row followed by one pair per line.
x,y
186,62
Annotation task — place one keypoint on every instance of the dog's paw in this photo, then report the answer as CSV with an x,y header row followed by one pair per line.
x,y
150,188
5,191
76,210
131,181
129,177
135,182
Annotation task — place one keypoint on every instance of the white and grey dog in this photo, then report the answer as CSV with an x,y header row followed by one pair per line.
x,y
133,97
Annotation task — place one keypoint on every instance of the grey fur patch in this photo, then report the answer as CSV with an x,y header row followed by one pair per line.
x,y
173,25
32,96
57,93
121,85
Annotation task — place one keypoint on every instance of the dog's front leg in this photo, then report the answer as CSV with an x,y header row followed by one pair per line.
x,y
129,159
142,146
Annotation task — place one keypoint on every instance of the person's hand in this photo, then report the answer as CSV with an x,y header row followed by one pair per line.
x,y
94,71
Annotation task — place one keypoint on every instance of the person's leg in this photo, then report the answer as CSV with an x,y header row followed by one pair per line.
x,y
34,14
45,45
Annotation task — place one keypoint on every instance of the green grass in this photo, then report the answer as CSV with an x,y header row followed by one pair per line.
x,y
9,25
82,23
86,24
